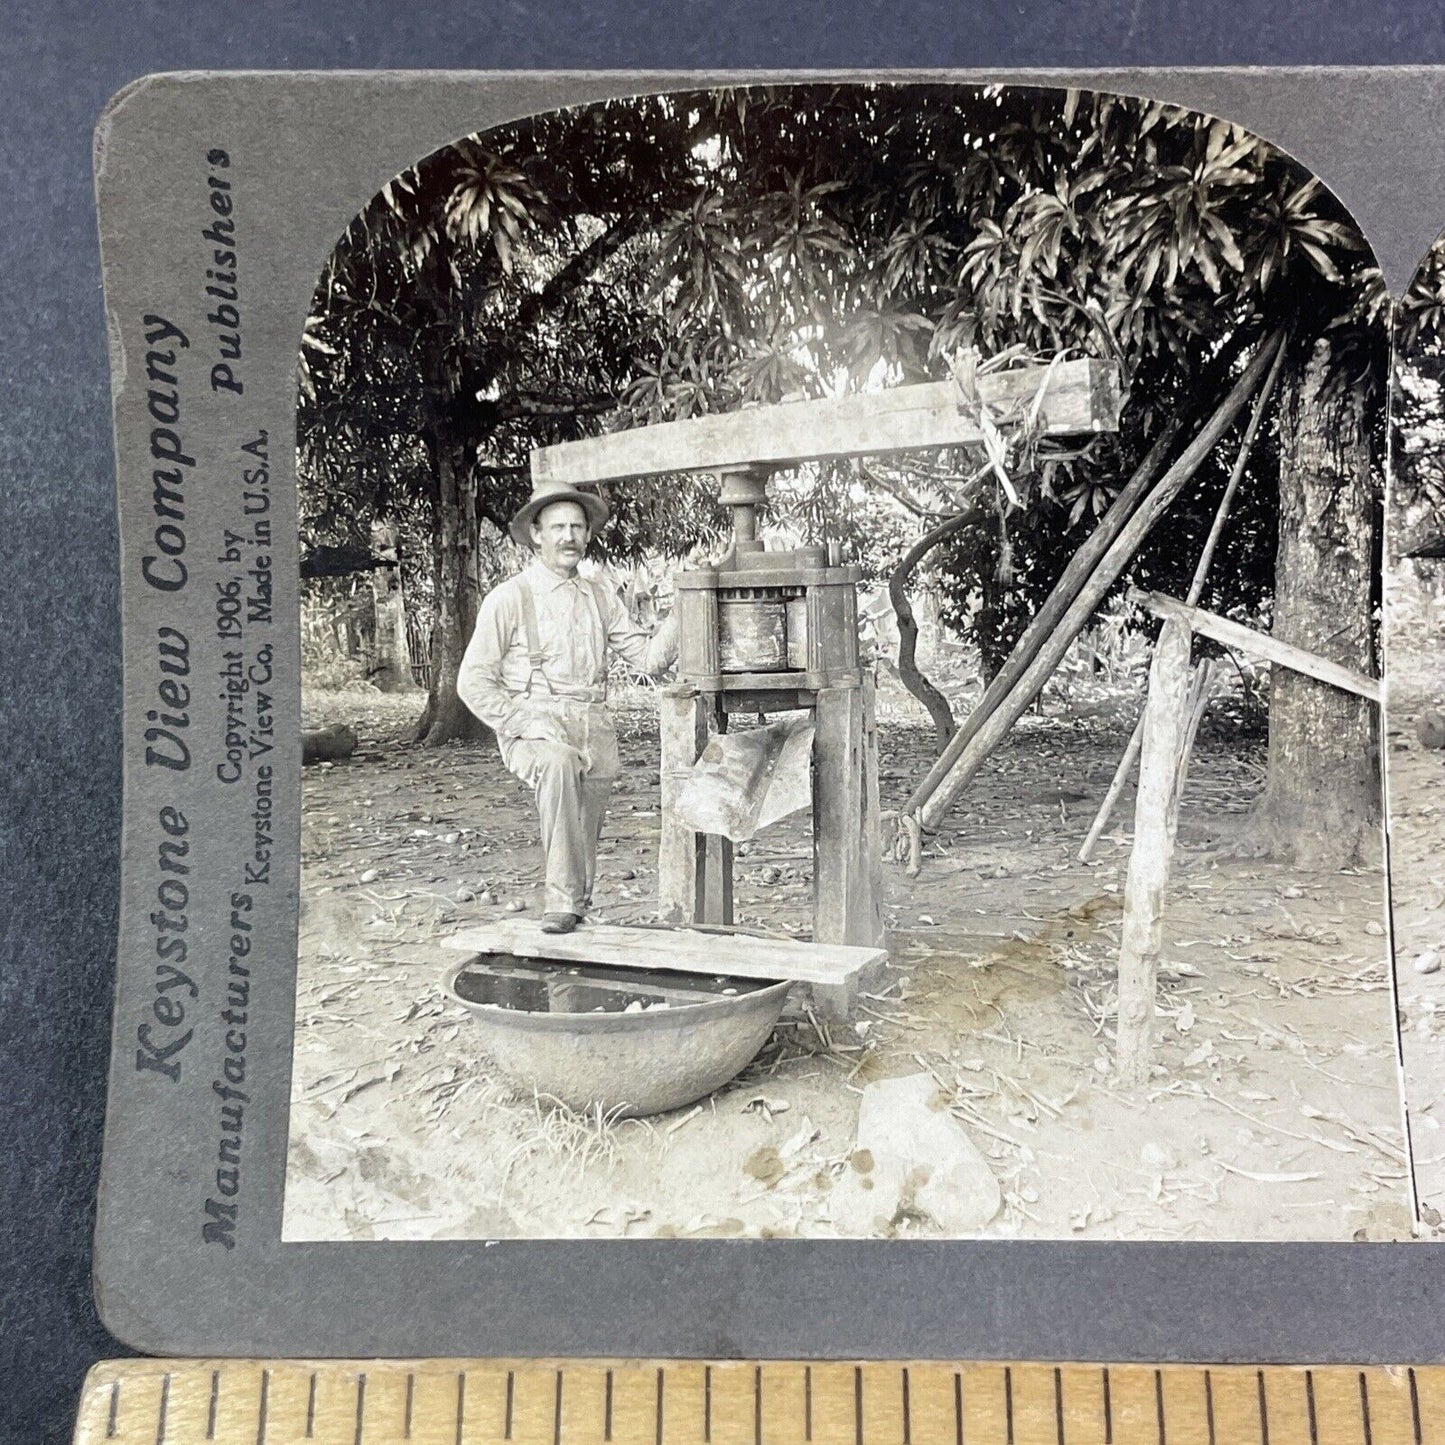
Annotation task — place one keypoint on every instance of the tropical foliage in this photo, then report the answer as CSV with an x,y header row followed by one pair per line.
x,y
670,256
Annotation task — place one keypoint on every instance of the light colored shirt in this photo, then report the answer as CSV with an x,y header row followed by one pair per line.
x,y
579,621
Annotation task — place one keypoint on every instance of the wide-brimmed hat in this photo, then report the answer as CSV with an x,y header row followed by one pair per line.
x,y
544,493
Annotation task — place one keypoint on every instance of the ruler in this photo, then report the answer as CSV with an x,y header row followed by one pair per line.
x,y
631,1402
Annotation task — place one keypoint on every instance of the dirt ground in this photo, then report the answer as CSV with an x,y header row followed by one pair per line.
x,y
1274,1112
1415,621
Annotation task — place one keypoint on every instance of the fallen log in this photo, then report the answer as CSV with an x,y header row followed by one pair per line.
x,y
1119,554
332,744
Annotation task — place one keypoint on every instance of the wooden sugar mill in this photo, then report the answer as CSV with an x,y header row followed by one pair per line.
x,y
776,631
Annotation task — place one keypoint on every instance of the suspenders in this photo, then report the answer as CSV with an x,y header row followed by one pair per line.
x,y
535,655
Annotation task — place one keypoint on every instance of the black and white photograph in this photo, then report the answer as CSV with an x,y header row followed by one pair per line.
x,y
841,633
1415,709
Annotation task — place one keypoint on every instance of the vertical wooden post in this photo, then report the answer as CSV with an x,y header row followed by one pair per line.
x,y
846,846
1167,716
694,870
872,931
715,853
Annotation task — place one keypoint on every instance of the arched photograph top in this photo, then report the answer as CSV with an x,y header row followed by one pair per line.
x,y
841,682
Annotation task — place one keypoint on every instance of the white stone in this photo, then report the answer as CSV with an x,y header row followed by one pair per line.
x,y
1428,961
926,1172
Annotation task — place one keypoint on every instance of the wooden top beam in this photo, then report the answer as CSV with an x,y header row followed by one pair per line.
x,y
1081,397
1258,644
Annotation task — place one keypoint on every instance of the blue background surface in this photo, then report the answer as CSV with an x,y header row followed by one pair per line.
x,y
61,678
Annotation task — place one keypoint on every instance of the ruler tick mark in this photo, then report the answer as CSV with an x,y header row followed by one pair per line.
x,y
707,1402
1108,1411
1008,1401
265,1405
1159,1402
215,1400
958,1407
507,1420
758,1406
410,1397
607,1410
907,1410
114,1409
1415,1408
165,1408
311,1407
1365,1408
1310,1402
661,1381
1209,1405
807,1402
557,1412
1263,1410
858,1404
461,1403
360,1406
1059,1404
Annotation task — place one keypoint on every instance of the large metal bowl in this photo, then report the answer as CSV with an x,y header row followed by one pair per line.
x,y
626,1063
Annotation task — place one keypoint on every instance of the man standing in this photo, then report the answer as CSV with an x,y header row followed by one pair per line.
x,y
535,671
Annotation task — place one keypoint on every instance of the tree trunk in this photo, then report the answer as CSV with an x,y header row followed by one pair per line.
x,y
390,657
908,670
1322,801
455,535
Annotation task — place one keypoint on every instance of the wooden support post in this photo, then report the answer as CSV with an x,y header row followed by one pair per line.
x,y
873,931
1167,714
694,870
845,838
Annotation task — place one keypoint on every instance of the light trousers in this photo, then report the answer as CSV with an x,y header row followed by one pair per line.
x,y
572,782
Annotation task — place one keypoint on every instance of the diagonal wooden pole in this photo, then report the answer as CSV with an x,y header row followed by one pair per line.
x,y
1065,590
1196,590
1110,567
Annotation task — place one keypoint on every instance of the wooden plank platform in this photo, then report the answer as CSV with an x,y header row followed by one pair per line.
x,y
1081,397
833,973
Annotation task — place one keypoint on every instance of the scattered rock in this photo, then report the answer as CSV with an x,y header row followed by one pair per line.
x,y
1375,928
1157,1157
464,895
925,1167
1428,962
486,896
515,905
370,876
1430,729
